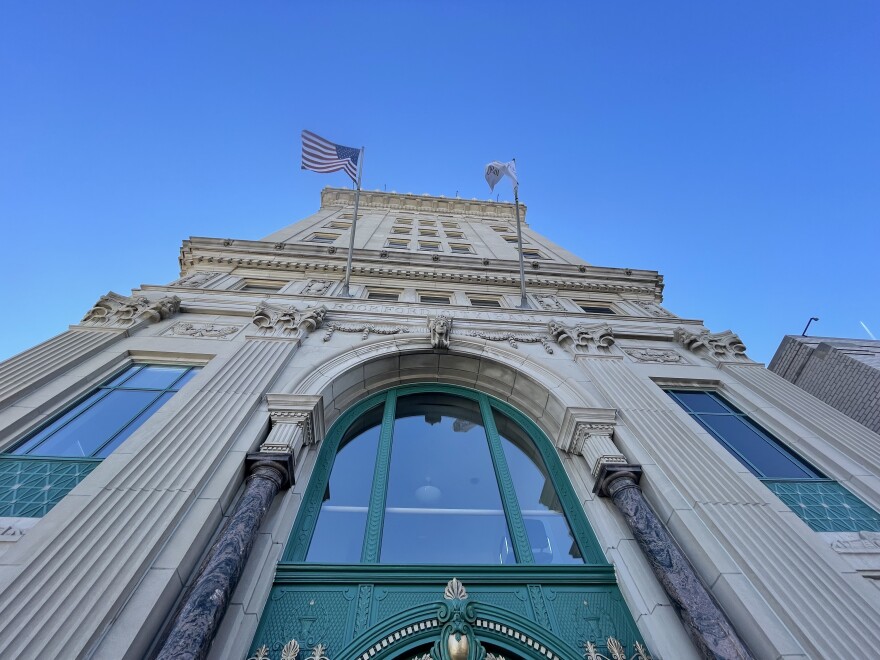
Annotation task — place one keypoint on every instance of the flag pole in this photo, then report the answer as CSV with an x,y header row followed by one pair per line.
x,y
357,198
524,303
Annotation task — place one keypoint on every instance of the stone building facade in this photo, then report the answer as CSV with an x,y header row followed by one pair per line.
x,y
844,373
176,464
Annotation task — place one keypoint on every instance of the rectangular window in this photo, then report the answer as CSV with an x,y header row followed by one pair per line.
x,y
404,221
450,225
431,223
428,232
262,286
397,243
460,248
454,234
500,228
401,230
321,237
529,253
431,246
338,224
511,239
384,295
484,302
435,298
590,308
50,461
822,503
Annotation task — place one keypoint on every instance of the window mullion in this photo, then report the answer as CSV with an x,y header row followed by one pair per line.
x,y
521,546
378,495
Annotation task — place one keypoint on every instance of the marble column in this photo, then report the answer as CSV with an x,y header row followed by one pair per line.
x,y
196,622
706,623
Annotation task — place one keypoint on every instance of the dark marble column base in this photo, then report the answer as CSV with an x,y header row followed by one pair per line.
x,y
196,622
704,620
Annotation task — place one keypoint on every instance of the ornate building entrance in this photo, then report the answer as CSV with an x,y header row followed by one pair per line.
x,y
439,523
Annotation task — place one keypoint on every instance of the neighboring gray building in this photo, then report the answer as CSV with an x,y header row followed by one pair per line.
x,y
844,373
246,463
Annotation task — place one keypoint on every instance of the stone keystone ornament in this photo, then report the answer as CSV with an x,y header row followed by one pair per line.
x,y
457,640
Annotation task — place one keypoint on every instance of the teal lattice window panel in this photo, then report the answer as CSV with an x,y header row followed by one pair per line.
x,y
825,505
31,486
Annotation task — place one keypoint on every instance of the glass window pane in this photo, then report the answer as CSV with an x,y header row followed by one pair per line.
x,y
96,425
125,375
700,402
105,451
28,446
765,455
549,534
339,532
155,377
188,376
443,502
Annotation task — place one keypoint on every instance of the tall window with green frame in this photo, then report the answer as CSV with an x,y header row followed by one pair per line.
x,y
48,463
439,461
822,503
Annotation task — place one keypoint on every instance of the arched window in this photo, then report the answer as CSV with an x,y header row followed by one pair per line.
x,y
439,475
427,498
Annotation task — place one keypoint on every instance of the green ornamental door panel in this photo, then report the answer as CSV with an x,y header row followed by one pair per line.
x,y
439,523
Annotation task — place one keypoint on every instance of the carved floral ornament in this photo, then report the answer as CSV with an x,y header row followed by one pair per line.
x,y
203,330
720,345
114,310
654,355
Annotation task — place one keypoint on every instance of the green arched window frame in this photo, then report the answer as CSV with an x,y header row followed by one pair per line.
x,y
301,535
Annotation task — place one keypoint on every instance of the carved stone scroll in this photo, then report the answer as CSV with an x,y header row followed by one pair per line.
x,y
654,355
116,311
590,339
203,330
720,345
272,320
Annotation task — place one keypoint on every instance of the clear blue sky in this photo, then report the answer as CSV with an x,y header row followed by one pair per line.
x,y
734,147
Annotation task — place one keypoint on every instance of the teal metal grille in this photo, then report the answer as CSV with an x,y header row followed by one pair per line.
x,y
825,505
31,486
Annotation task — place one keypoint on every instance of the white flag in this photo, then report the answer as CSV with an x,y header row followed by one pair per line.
x,y
496,170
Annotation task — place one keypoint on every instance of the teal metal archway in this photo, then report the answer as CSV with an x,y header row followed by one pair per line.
x,y
380,610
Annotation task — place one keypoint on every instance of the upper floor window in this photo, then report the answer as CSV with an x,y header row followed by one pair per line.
x,y
428,232
591,308
824,504
460,248
338,224
483,301
262,286
454,234
401,230
101,421
418,465
430,246
386,295
321,237
530,253
397,243
435,299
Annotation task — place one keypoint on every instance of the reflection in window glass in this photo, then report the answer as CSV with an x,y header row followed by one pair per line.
x,y
99,423
443,502
549,534
339,532
760,452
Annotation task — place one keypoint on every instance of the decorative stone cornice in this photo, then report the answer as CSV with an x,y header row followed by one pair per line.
x,y
590,339
295,418
335,197
116,311
276,321
721,346
195,280
588,432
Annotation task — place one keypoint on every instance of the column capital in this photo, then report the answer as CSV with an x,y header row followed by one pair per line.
x,y
612,473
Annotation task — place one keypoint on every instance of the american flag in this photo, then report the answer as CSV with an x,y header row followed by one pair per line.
x,y
320,155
